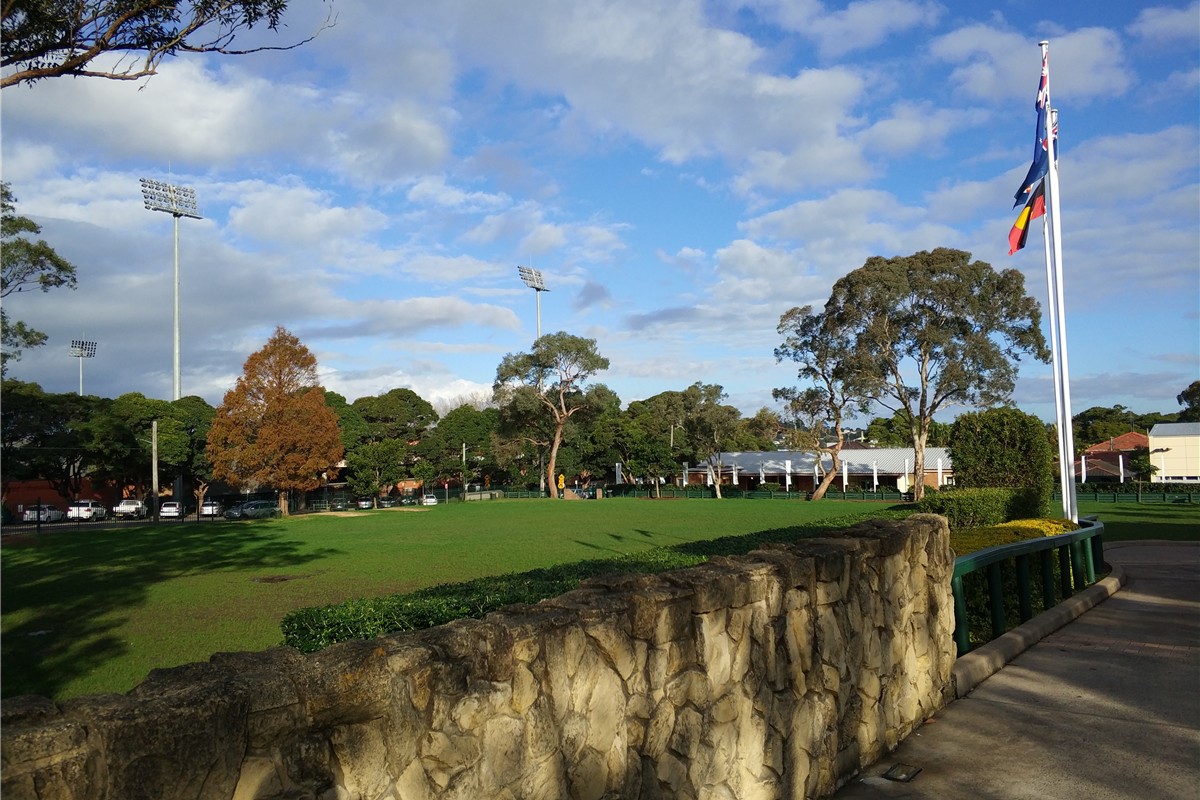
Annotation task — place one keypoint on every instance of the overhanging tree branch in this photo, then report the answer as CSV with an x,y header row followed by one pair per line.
x,y
48,40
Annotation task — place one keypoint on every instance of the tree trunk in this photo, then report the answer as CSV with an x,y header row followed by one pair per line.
x,y
551,481
919,466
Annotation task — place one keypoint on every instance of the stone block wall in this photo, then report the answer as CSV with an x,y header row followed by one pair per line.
x,y
772,675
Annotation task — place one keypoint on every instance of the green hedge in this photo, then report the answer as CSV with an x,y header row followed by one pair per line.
x,y
979,508
314,628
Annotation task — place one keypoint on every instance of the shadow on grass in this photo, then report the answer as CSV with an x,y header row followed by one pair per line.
x,y
311,629
63,592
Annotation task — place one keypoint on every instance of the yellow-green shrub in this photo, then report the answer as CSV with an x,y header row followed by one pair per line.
x,y
1018,530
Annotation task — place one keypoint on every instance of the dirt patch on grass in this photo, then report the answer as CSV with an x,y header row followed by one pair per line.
x,y
278,578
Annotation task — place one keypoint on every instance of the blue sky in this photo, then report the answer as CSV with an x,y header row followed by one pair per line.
x,y
681,172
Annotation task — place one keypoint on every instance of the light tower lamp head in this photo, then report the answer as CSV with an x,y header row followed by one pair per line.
x,y
533,278
179,201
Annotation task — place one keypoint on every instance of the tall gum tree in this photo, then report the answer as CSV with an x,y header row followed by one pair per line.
x,y
274,428
819,348
555,369
933,330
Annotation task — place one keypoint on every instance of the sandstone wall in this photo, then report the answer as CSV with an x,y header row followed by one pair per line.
x,y
773,675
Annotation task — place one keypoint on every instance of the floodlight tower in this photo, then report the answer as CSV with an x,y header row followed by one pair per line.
x,y
533,279
178,201
82,349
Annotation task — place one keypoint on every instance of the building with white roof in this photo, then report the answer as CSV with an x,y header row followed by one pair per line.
x,y
870,469
1175,450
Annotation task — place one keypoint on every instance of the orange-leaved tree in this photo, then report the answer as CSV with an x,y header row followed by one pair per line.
x,y
273,428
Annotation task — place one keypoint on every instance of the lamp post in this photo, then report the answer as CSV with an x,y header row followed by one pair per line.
x,y
178,201
533,279
82,349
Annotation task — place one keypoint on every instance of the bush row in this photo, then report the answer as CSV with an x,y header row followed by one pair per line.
x,y
314,628
979,508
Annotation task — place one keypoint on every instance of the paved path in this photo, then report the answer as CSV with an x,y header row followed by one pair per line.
x,y
1105,708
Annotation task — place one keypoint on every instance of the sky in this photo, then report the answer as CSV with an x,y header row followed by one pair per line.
x,y
682,173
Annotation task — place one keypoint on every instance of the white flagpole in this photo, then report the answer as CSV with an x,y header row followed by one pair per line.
x,y
1052,312
1063,394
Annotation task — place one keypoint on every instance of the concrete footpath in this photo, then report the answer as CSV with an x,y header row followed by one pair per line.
x,y
1106,707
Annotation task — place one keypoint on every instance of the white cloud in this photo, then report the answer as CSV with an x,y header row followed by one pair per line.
x,y
1165,24
858,26
999,63
433,190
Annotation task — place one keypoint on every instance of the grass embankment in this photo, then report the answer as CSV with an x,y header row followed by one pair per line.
x,y
94,610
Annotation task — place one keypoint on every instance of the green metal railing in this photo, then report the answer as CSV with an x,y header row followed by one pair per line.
x,y
1076,556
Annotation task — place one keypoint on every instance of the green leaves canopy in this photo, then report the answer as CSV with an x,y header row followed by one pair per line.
x,y
27,265
935,329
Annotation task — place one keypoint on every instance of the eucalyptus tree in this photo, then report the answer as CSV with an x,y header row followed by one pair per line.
x,y
711,426
1189,398
543,389
397,414
27,265
933,330
56,39
821,349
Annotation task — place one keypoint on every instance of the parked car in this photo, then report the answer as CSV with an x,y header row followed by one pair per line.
x,y
129,509
258,509
429,500
388,502
43,514
211,508
87,509
171,510
365,502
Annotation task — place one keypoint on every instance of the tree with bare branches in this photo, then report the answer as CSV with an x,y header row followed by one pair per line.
x,y
53,39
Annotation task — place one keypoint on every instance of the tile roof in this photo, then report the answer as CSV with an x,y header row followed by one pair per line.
x,y
1133,440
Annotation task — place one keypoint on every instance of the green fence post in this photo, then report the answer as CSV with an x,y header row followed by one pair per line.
x,y
962,634
996,600
1077,574
1049,599
1089,569
1064,570
1024,601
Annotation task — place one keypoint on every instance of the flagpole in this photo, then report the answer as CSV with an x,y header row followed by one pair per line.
x,y
1058,313
1064,487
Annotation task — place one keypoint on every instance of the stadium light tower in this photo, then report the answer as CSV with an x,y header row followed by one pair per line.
x,y
533,279
178,201
82,349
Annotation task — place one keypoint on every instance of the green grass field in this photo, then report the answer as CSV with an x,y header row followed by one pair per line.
x,y
89,610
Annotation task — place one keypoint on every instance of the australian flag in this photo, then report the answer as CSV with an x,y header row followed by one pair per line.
x,y
1041,148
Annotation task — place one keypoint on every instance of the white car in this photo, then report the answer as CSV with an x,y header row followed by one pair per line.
x,y
43,514
211,508
171,510
87,509
429,500
134,509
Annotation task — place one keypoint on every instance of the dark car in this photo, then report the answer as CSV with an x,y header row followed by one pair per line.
x,y
259,509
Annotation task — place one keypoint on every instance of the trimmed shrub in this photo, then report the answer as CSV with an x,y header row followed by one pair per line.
x,y
1004,447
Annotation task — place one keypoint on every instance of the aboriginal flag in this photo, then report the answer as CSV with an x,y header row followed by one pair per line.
x,y
1034,208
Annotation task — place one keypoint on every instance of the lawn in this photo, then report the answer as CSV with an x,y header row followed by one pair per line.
x,y
90,610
